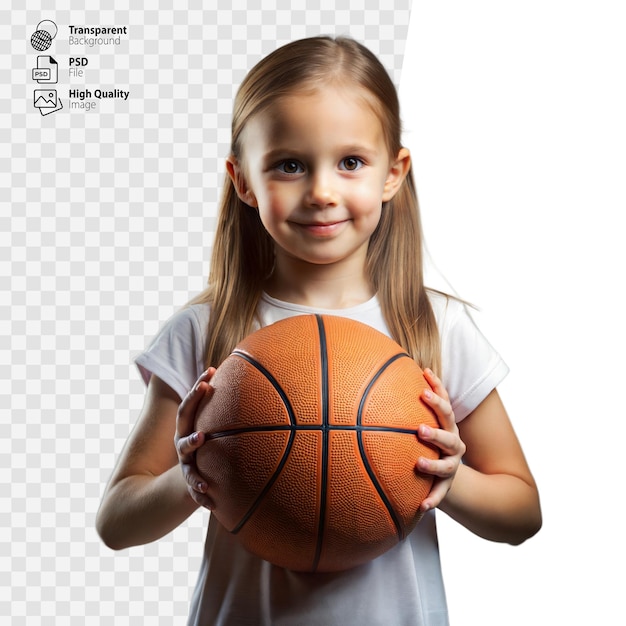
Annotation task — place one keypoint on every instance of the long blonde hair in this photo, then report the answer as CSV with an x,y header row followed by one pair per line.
x,y
243,252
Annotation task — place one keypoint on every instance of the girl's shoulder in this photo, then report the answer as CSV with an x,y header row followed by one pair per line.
x,y
176,353
188,325
195,314
471,366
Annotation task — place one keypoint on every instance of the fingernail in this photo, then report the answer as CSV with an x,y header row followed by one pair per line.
x,y
201,487
425,431
195,437
428,394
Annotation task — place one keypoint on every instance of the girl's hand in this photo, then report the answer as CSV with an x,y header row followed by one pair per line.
x,y
187,441
446,438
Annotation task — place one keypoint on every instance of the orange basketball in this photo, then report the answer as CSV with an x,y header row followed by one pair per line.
x,y
311,443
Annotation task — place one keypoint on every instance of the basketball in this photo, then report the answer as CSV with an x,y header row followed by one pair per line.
x,y
311,443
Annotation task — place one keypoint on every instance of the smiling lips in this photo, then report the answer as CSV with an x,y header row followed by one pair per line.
x,y
321,229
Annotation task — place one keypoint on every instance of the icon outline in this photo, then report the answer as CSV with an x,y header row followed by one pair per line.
x,y
48,68
47,101
44,33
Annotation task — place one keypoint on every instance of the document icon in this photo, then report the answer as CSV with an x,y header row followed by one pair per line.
x,y
47,70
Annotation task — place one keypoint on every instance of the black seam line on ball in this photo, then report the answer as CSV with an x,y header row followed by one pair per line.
x,y
285,456
272,380
310,428
325,420
364,459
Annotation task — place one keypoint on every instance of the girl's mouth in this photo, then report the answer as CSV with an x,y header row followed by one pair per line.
x,y
322,229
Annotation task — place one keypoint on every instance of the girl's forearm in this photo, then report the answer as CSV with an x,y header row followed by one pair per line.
x,y
498,507
140,509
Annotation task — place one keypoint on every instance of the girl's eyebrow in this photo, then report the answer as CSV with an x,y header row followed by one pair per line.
x,y
281,153
295,153
358,149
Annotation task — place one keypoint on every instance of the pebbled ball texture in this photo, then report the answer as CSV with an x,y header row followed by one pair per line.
x,y
311,443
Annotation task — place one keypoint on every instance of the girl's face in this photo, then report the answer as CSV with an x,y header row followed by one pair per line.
x,y
316,167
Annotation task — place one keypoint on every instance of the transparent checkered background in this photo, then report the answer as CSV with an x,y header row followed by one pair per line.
x,y
106,220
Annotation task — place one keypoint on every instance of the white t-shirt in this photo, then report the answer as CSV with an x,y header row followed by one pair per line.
x,y
402,587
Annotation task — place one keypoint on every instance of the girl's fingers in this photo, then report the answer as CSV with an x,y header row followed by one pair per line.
x,y
444,467
435,382
438,400
447,441
442,408
197,487
436,495
194,480
187,441
446,438
187,409
196,484
186,446
452,451
202,499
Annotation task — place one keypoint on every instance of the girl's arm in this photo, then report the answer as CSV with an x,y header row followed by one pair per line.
x,y
147,495
493,493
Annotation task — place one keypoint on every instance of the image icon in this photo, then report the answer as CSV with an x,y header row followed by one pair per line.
x,y
42,38
47,70
47,101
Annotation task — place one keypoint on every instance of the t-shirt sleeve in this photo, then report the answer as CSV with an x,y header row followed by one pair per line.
x,y
176,354
471,366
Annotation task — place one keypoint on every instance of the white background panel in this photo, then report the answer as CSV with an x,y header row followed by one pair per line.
x,y
514,113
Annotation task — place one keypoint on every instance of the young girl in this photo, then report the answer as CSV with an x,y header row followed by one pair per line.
x,y
319,214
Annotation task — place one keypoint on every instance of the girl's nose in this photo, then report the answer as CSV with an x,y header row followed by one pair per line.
x,y
321,192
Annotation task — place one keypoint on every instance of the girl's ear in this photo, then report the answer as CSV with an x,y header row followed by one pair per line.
x,y
397,173
235,171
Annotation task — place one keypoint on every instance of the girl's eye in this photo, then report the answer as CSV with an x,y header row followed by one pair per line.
x,y
351,164
290,167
